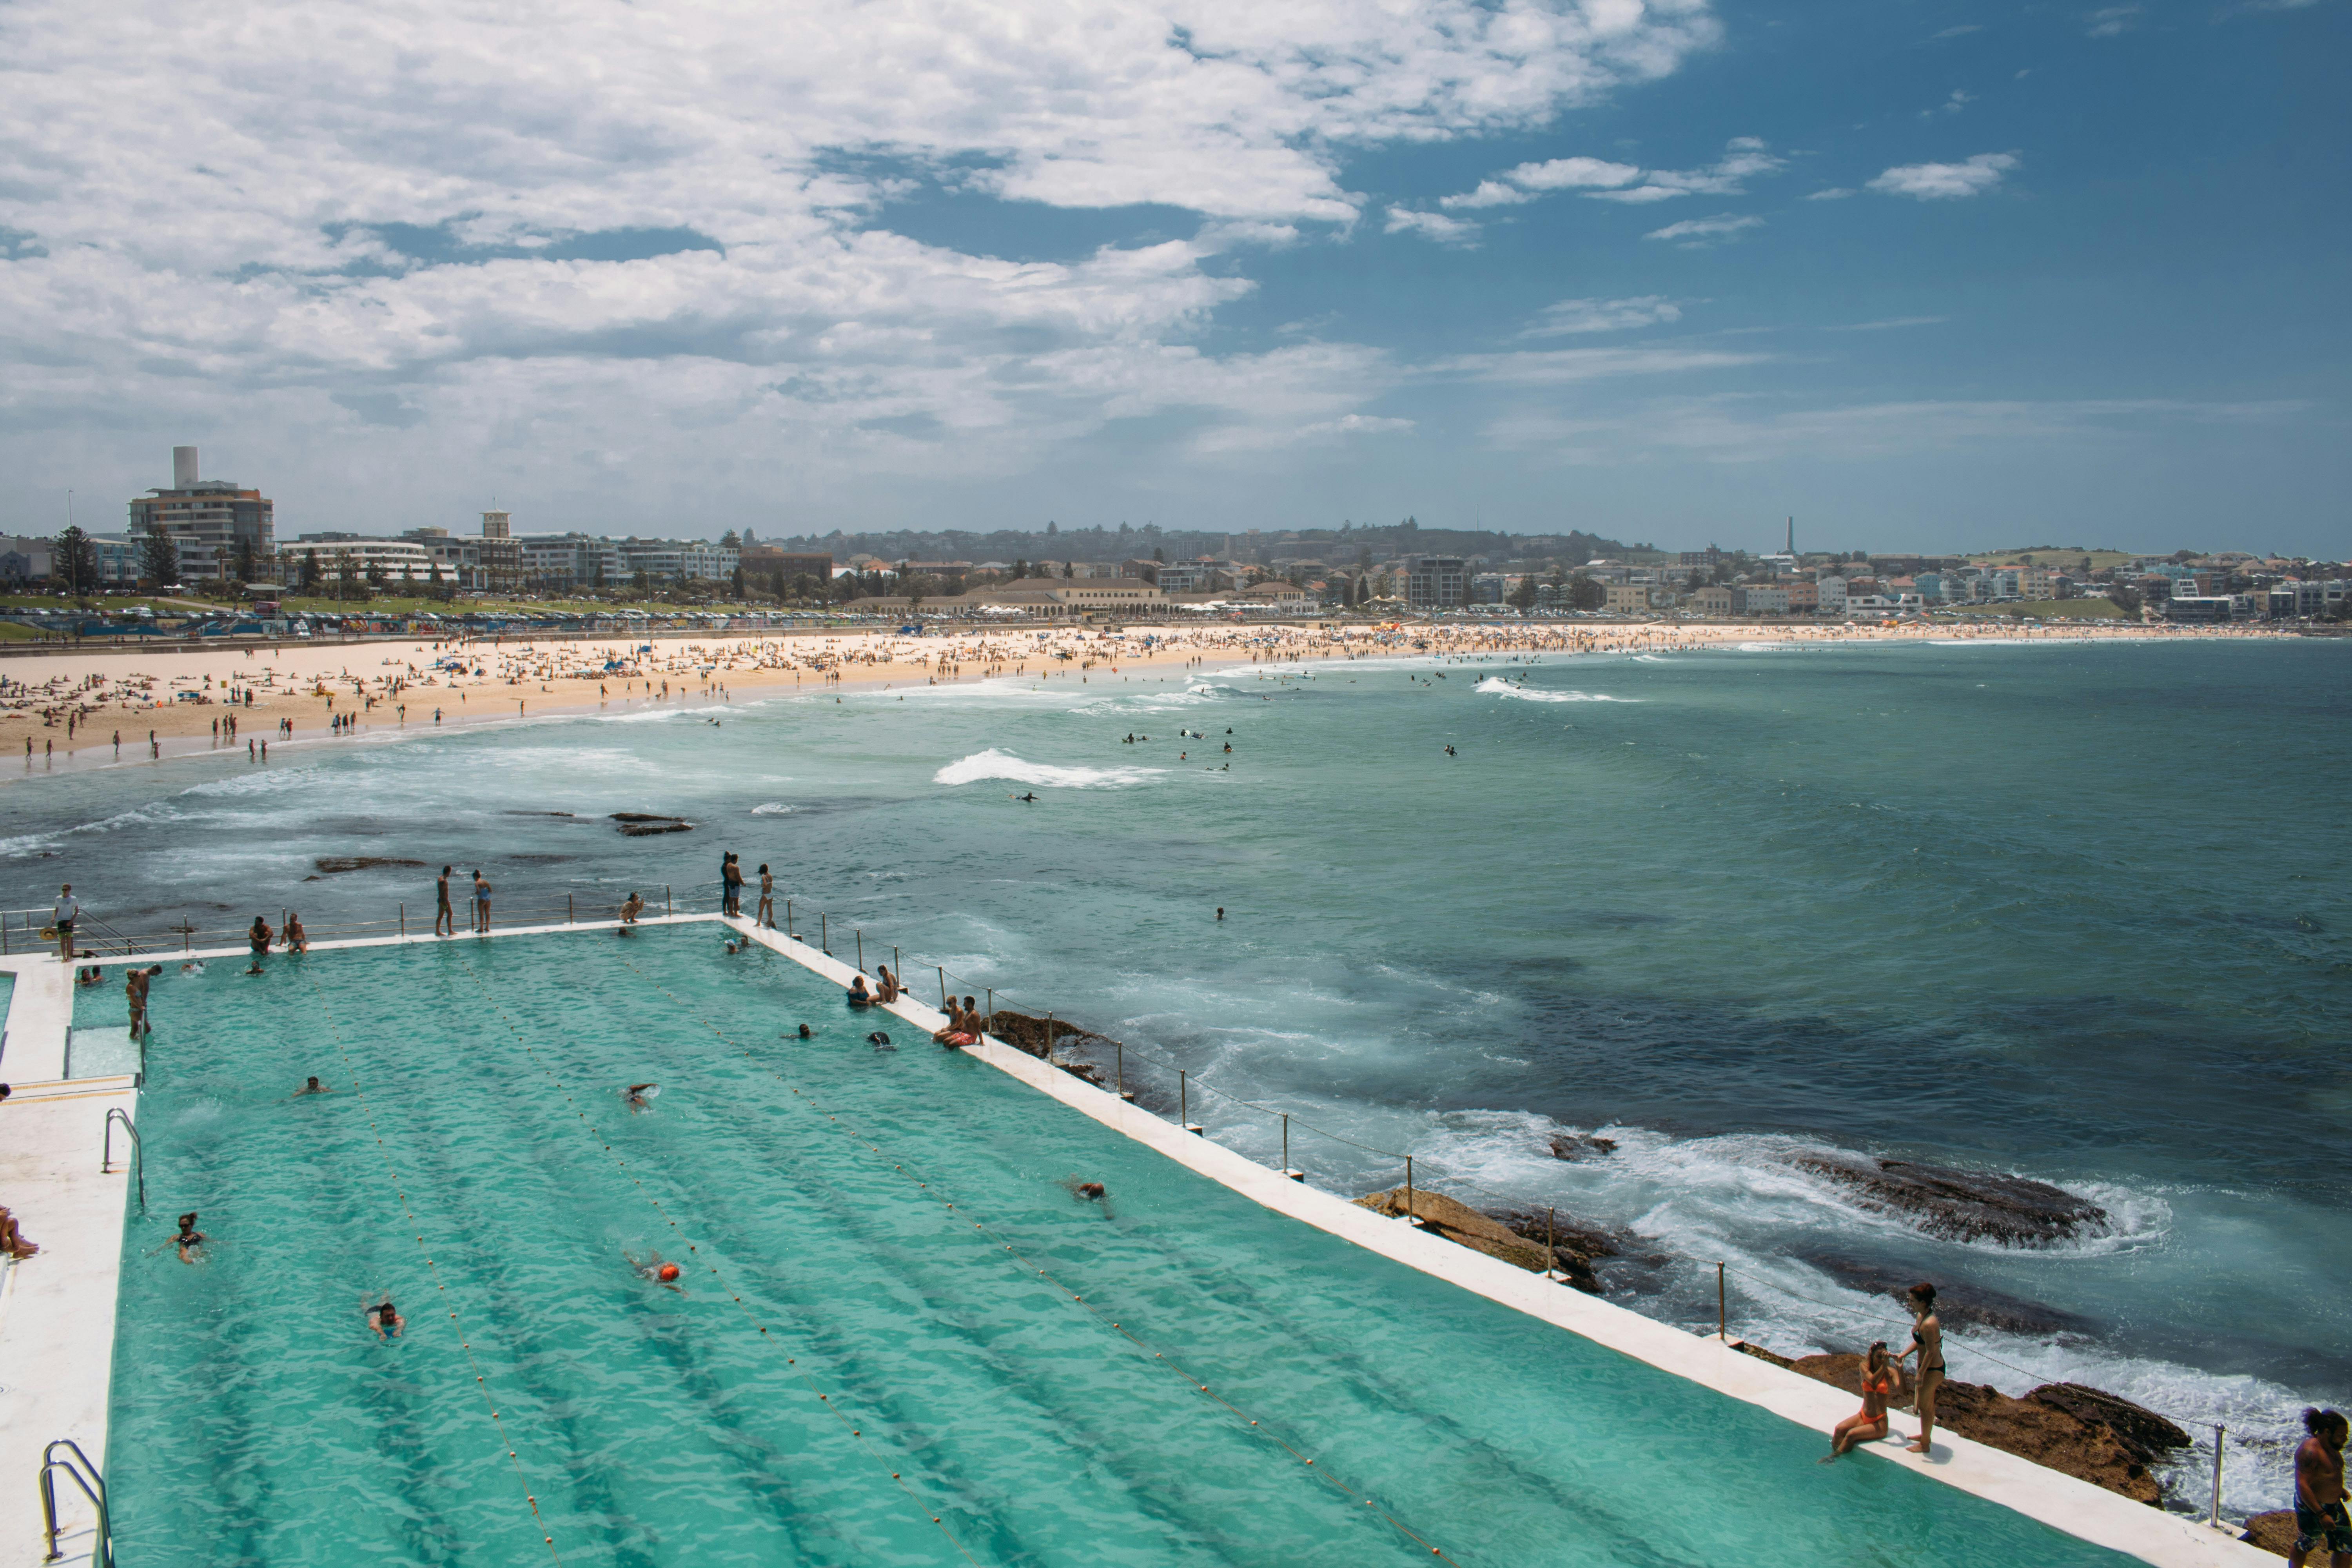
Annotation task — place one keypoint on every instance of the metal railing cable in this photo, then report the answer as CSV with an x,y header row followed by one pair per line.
x,y
465,1342
931,1187
856,1431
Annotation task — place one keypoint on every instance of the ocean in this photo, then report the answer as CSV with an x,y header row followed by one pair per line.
x,y
1724,926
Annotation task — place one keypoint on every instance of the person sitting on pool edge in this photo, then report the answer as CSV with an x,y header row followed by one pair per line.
x,y
858,995
1880,1380
963,1030
885,985
296,939
259,939
630,910
382,1317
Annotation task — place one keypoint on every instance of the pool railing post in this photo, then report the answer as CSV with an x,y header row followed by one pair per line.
x,y
943,988
787,922
2220,1432
861,948
988,1019
825,932
567,908
404,922
1722,1316
1410,1217
666,899
897,965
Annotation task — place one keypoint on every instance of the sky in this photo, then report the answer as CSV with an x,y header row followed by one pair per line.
x,y
1920,274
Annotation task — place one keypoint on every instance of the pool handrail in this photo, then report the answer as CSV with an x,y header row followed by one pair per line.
x,y
138,1160
84,1475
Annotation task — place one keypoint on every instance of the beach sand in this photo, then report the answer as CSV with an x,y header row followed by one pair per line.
x,y
72,705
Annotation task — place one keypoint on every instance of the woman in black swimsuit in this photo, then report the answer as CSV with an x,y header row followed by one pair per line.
x,y
1928,1344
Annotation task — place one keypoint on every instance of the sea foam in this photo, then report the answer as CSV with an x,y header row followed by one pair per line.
x,y
1501,688
993,763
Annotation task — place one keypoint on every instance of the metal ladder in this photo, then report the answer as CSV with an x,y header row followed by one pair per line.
x,y
138,1159
83,1474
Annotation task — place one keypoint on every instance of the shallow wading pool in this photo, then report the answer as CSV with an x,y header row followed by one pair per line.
x,y
876,1327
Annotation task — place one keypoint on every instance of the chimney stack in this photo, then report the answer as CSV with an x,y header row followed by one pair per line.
x,y
183,468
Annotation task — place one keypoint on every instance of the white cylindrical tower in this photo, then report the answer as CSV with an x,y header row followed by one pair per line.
x,y
183,468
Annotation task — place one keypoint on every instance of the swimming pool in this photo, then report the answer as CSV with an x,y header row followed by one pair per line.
x,y
894,1311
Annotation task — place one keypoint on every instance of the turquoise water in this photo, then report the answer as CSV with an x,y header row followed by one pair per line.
x,y
476,1122
2082,912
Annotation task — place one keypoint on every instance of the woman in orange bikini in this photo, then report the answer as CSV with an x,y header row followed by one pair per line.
x,y
1882,1379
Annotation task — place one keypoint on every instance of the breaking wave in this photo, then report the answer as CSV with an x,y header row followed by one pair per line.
x,y
1497,685
993,763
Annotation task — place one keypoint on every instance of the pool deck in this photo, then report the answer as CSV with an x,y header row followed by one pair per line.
x,y
56,1312
56,1309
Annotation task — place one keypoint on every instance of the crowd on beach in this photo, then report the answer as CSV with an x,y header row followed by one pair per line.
x,y
82,703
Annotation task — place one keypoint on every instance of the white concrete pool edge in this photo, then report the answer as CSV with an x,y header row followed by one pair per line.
x,y
2073,1507
57,1309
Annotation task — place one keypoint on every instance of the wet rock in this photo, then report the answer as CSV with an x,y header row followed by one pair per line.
x,y
2274,1532
1761,1353
332,864
1574,1247
2029,1427
1038,1036
1959,1304
635,826
1459,1223
2146,1436
1580,1146
641,816
1962,1205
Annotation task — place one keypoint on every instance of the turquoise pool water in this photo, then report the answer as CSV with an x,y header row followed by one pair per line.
x,y
476,1160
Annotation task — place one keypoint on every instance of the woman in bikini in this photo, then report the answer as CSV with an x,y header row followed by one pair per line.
x,y
1882,1378
1927,1343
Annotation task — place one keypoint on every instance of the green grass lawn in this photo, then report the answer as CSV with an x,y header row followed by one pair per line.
x,y
2055,609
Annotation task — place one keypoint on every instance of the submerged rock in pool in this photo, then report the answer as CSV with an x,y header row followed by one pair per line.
x,y
1962,1205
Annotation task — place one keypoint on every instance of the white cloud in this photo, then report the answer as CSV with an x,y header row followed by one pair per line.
x,y
1558,367
1947,181
2112,20
1961,31
1834,193
1432,225
1527,181
1574,317
1744,157
590,246
1952,105
1695,233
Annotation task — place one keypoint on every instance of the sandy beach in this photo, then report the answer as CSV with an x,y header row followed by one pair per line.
x,y
103,706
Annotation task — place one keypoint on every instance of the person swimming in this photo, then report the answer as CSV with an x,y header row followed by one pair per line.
x,y
386,1319
641,1096
1088,1193
806,1033
189,1239
654,1271
312,1086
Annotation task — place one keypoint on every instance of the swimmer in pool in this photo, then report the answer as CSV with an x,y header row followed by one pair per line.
x,y
1087,1193
386,1319
189,1239
807,1031
641,1096
312,1086
654,1271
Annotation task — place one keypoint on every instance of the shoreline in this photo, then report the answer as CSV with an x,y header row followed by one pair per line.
x,y
66,709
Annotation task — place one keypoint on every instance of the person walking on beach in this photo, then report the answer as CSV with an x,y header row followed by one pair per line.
x,y
767,916
1928,1344
67,911
444,919
482,902
2319,1490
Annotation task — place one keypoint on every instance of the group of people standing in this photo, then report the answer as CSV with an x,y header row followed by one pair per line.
x,y
730,890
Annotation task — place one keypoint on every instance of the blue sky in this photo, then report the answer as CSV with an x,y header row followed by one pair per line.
x,y
1925,276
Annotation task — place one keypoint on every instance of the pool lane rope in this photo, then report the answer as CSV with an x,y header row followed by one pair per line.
x,y
1097,1312
849,1422
465,1340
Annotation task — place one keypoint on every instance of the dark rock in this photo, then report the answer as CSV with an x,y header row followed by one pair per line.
x,y
1459,1223
641,816
330,864
1580,1145
1761,1353
2030,1428
535,814
1038,1036
1959,1304
2148,1436
1574,1247
1962,1205
642,830
2274,1531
